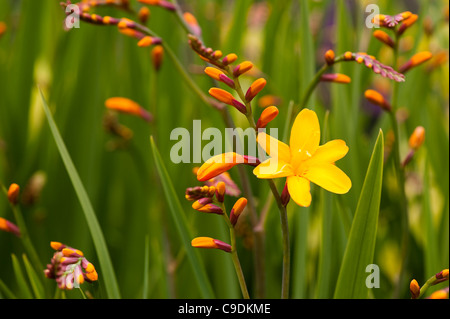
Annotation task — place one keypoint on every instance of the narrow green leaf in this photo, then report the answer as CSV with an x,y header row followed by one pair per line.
x,y
360,248
36,283
106,266
181,224
25,291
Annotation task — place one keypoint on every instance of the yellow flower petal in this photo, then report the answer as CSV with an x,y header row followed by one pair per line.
x,y
329,177
274,147
305,135
330,152
273,168
299,190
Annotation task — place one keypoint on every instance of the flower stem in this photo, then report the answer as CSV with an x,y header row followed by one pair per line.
x,y
400,178
234,254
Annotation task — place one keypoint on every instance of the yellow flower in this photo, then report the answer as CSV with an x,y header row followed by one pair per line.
x,y
304,161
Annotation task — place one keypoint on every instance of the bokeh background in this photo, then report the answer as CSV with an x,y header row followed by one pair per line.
x,y
77,70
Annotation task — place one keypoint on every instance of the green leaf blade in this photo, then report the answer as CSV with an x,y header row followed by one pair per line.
x,y
360,248
181,224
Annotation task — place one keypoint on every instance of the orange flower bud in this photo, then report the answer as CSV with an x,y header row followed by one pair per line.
x,y
230,58
9,227
157,55
193,24
13,193
220,191
210,243
415,60
384,37
237,209
227,98
125,105
414,288
348,55
255,88
407,23
417,137
336,78
267,116
144,14
148,41
329,57
222,95
378,99
242,68
218,75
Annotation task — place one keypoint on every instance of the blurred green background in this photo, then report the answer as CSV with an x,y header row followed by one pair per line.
x,y
78,70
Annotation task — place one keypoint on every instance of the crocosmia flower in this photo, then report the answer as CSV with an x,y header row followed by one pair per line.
x,y
304,160
69,267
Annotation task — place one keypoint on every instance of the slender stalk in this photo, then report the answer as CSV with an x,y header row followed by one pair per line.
x,y
400,178
308,92
234,254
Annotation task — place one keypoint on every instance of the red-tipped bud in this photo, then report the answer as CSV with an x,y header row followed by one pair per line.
x,y
336,78
148,41
144,14
9,227
417,137
210,243
157,55
415,60
13,193
193,24
384,38
378,99
230,58
237,210
242,68
255,88
220,191
414,288
267,116
227,98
